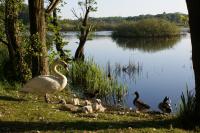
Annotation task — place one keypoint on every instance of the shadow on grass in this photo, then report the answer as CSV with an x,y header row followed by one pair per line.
x,y
17,126
9,98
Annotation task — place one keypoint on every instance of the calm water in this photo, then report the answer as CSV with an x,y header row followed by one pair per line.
x,y
165,66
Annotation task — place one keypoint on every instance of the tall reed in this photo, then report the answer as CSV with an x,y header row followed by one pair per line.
x,y
92,78
187,114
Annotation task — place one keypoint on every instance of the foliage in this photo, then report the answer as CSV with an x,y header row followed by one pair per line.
x,y
186,114
147,28
56,39
24,14
110,23
172,17
92,78
3,60
2,15
15,68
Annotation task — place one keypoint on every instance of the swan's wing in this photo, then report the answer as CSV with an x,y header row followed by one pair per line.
x,y
42,84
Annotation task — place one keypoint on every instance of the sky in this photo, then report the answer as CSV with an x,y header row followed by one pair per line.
x,y
127,7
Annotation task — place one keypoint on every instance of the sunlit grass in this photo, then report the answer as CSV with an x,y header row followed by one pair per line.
x,y
28,113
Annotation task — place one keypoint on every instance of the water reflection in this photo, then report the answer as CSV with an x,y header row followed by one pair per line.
x,y
128,71
147,45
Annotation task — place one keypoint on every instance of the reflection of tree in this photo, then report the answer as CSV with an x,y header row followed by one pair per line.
x,y
147,44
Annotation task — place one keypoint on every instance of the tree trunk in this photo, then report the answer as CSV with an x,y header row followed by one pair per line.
x,y
84,31
194,22
79,55
18,65
38,37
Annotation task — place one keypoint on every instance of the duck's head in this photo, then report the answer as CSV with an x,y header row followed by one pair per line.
x,y
166,99
137,94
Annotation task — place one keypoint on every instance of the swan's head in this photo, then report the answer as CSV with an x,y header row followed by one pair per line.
x,y
63,63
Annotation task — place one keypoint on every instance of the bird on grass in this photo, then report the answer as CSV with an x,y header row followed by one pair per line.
x,y
47,84
140,106
165,105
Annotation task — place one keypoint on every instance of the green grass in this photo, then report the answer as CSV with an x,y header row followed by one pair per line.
x,y
19,113
93,78
187,115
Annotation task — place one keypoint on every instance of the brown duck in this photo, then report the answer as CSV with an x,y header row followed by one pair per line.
x,y
165,105
140,106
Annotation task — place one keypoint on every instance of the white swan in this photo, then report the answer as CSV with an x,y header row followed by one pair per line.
x,y
46,84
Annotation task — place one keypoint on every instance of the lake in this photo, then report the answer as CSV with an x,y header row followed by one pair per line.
x,y
164,66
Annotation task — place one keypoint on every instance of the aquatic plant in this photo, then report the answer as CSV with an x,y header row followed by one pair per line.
x,y
186,114
92,78
131,70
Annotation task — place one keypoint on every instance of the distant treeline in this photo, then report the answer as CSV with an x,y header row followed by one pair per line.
x,y
110,23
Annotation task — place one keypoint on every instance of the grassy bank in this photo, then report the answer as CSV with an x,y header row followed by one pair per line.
x,y
20,113
147,28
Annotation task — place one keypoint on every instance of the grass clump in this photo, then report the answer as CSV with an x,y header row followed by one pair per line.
x,y
147,28
187,115
92,78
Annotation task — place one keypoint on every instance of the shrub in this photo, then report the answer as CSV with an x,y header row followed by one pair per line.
x,y
147,28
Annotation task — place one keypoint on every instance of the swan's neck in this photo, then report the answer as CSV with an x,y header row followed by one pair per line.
x,y
62,79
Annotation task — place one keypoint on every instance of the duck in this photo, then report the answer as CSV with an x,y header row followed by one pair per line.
x,y
140,105
44,85
165,105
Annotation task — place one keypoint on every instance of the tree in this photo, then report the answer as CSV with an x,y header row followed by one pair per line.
x,y
38,35
87,6
194,23
55,27
17,65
